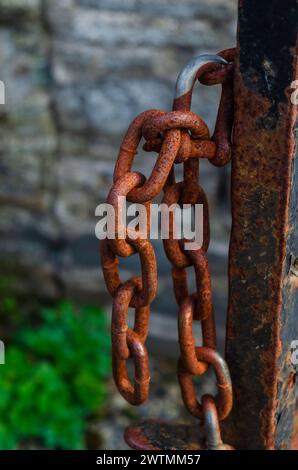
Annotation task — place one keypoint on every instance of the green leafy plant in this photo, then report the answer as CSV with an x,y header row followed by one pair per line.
x,y
55,378
9,312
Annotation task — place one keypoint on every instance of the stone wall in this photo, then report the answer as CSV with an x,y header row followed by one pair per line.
x,y
76,73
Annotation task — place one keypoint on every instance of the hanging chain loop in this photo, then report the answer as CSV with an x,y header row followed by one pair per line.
x,y
178,136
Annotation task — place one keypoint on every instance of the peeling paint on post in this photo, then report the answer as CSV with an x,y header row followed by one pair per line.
x,y
263,307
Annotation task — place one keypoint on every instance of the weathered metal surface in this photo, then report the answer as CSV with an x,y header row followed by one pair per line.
x,y
294,441
263,313
154,434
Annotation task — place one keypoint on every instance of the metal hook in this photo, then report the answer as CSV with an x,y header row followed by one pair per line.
x,y
211,425
188,75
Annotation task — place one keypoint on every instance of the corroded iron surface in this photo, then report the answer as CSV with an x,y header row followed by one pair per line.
x,y
263,313
161,435
294,441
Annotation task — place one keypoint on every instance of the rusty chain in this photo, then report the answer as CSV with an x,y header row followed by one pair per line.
x,y
179,136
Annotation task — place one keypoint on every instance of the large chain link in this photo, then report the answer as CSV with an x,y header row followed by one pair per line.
x,y
179,136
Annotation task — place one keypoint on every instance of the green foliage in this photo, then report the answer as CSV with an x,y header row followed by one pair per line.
x,y
54,378
9,312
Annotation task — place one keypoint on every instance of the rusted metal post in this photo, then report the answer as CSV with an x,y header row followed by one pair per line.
x,y
263,309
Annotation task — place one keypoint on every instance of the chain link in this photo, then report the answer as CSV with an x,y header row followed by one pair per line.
x,y
179,136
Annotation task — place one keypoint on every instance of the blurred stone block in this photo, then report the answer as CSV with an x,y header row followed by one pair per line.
x,y
76,73
19,10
